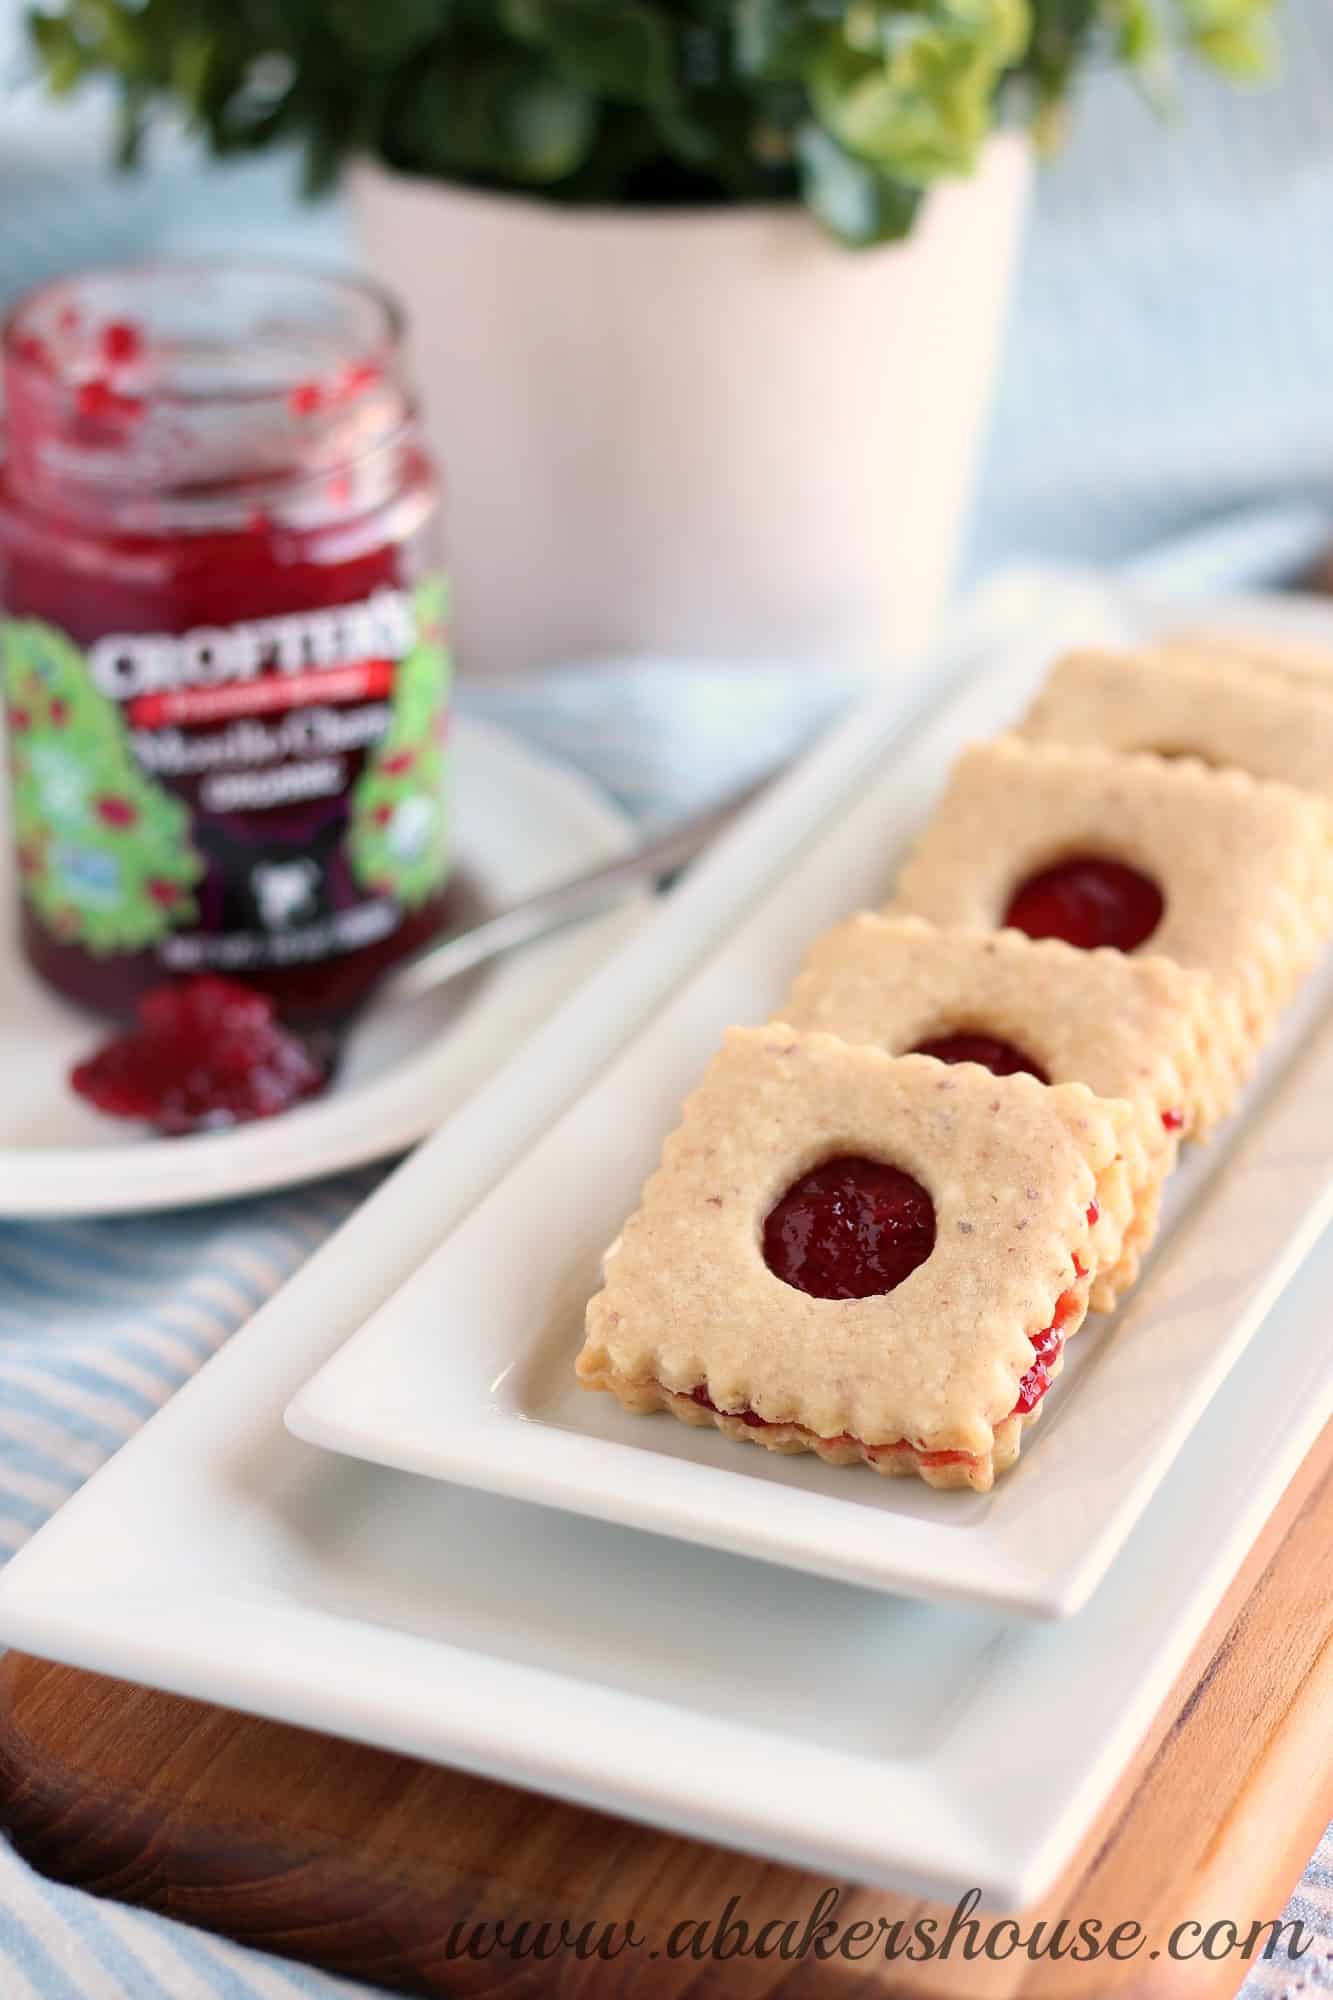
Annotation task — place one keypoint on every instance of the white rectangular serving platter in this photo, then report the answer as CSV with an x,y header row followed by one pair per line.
x,y
878,1738
466,1374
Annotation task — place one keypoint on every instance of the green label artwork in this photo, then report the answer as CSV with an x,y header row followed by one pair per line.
x,y
104,853
399,840
122,806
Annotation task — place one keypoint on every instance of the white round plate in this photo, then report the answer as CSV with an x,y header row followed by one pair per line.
x,y
521,822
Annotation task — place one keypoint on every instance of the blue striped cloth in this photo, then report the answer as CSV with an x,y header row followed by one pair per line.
x,y
1166,405
99,1322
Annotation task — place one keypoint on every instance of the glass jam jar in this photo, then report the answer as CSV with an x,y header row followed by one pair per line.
x,y
225,666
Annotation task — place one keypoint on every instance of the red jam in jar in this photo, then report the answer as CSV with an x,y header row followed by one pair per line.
x,y
225,667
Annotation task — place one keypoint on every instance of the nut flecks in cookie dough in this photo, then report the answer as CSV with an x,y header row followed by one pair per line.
x,y
1229,711
1047,1349
1135,1029
935,1366
851,1229
1090,902
1245,868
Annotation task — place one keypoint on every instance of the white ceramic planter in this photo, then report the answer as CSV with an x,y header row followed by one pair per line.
x,y
710,432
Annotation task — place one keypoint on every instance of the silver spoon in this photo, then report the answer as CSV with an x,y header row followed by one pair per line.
x,y
570,901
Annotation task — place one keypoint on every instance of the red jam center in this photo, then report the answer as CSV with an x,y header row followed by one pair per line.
x,y
207,1054
1000,1058
1088,902
852,1229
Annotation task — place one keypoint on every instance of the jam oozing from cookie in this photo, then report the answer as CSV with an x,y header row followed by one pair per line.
x,y
752,1421
1173,1120
1046,1347
999,1057
1088,902
207,1054
852,1229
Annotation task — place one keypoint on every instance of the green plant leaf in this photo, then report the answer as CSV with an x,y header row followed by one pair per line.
x,y
548,127
1235,36
193,62
1247,52
321,157
1063,34
1138,33
853,105
625,50
915,98
504,118
776,39
131,117
64,58
385,33
852,199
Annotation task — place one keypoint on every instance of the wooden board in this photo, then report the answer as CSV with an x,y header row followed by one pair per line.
x,y
366,1863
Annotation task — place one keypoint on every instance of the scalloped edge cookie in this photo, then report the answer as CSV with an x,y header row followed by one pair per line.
x,y
1130,1028
1245,865
1303,662
1178,702
922,1380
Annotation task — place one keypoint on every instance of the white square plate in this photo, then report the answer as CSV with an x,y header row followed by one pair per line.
x,y
467,1373
870,1737
873,1737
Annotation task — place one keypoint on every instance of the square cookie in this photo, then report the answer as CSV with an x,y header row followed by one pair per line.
x,y
1238,870
1303,661
973,1197
1222,710
1129,1028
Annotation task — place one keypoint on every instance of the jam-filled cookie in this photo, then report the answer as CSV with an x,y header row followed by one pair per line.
x,y
1277,654
1223,710
1129,1028
1217,870
875,1259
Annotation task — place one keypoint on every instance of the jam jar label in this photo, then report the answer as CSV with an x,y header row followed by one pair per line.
x,y
262,794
